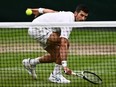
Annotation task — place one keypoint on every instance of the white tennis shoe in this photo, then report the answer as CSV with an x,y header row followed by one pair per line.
x,y
30,68
58,78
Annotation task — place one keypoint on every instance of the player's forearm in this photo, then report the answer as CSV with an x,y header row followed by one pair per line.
x,y
43,10
64,49
63,54
37,11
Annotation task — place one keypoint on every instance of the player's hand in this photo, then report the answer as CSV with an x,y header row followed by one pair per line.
x,y
67,71
35,12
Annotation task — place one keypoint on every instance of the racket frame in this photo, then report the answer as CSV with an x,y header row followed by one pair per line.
x,y
82,75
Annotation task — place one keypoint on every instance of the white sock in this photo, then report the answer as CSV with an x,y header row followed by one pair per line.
x,y
34,61
57,69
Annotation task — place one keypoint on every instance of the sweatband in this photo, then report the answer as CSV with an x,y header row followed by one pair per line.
x,y
41,10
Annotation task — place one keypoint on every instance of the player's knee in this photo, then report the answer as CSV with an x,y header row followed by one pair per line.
x,y
54,38
64,42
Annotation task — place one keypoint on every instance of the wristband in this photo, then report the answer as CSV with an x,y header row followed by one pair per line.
x,y
64,63
41,10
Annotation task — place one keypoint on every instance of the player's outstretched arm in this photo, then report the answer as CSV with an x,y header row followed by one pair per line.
x,y
64,46
38,11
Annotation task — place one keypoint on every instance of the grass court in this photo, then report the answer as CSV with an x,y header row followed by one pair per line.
x,y
15,45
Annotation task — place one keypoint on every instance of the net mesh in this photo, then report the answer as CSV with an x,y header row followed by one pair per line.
x,y
92,48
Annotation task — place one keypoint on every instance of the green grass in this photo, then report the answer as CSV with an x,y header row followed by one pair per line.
x,y
14,36
77,36
13,74
93,36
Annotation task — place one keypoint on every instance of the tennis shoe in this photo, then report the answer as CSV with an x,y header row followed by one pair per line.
x,y
29,68
58,78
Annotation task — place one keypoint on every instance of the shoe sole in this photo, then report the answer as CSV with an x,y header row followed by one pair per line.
x,y
57,81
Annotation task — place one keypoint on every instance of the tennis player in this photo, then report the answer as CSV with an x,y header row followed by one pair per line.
x,y
54,41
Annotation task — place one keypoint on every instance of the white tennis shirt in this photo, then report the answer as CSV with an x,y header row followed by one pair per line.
x,y
58,17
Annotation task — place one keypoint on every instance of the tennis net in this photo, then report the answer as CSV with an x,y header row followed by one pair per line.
x,y
92,48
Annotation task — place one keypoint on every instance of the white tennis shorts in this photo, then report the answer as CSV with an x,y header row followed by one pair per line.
x,y
41,34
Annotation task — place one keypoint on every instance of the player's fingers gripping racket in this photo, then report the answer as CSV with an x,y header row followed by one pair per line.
x,y
89,76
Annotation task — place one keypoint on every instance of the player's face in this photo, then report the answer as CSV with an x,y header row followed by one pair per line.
x,y
80,16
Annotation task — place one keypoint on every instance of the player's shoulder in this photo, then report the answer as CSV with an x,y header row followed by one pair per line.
x,y
66,12
58,13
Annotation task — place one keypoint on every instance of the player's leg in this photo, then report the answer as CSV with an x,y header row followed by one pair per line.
x,y
53,50
54,56
30,64
62,51
42,36
56,75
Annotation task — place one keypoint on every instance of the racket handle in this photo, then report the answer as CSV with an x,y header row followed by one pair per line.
x,y
73,73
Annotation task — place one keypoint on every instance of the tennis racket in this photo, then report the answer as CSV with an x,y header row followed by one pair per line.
x,y
88,76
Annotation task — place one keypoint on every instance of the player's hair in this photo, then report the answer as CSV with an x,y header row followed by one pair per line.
x,y
82,7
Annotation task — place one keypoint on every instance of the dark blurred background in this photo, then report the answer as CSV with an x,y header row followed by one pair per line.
x,y
14,10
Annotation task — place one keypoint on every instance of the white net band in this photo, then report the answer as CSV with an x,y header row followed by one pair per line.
x,y
57,24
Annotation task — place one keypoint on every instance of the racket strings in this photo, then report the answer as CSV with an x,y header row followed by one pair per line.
x,y
92,77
